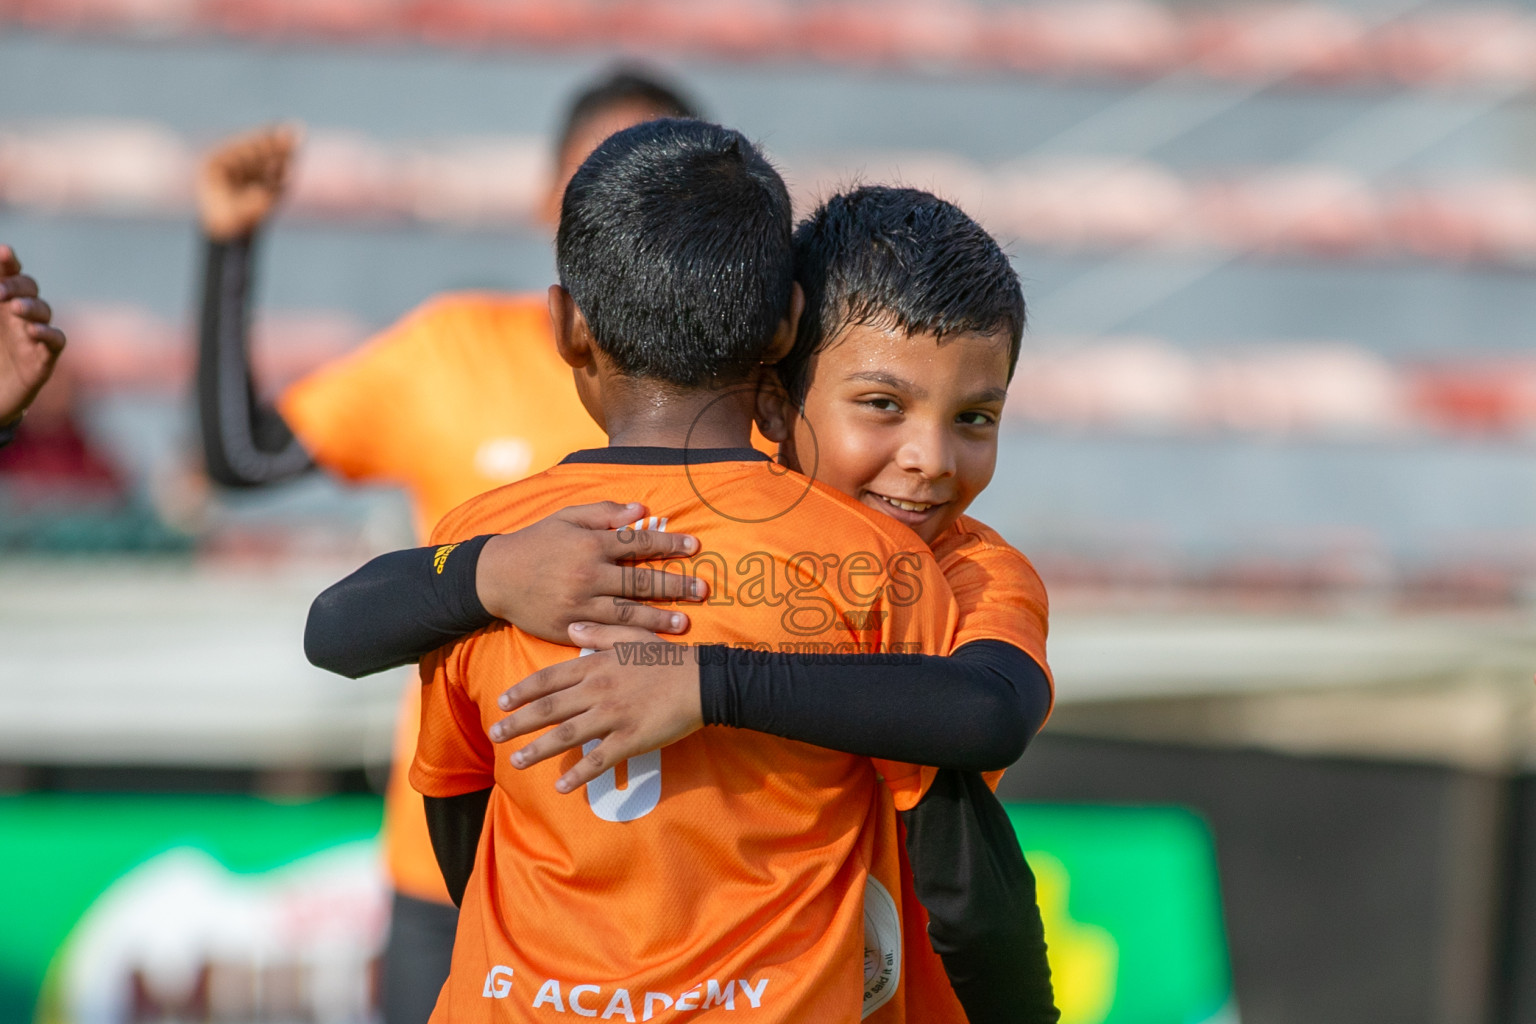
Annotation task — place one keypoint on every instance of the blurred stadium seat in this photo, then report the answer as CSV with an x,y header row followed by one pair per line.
x,y
1312,44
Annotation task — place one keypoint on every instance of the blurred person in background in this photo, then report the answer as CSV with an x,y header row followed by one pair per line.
x,y
29,344
464,394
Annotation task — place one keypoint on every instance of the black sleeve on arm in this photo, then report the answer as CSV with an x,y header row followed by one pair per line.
x,y
454,823
245,444
974,710
983,919
395,609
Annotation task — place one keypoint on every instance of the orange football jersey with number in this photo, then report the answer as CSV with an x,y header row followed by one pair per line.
x,y
464,394
732,869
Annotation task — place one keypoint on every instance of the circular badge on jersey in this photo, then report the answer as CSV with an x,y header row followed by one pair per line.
x,y
882,946
749,505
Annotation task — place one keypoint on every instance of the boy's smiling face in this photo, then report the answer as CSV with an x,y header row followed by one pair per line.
x,y
905,424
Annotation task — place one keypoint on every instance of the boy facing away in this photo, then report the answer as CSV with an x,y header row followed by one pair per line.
x,y
728,871
462,395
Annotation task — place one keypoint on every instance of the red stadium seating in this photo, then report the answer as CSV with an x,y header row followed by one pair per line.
x,y
1077,204
1135,385
1299,43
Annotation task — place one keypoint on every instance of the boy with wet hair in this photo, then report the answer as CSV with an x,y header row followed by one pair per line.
x,y
902,260
729,870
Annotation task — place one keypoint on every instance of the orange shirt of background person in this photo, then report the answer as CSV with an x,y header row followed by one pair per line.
x,y
731,868
463,395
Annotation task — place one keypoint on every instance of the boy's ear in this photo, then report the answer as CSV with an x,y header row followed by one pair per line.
x,y
573,339
773,408
784,337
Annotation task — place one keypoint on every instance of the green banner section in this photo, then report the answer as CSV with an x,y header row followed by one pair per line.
x,y
1132,912
60,852
1129,896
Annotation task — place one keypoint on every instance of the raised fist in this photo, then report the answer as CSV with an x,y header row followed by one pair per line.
x,y
242,178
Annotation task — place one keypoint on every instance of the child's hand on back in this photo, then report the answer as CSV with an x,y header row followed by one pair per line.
x,y
636,694
574,566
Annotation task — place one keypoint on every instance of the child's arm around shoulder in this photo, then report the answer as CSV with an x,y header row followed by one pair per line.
x,y
972,710
403,605
574,565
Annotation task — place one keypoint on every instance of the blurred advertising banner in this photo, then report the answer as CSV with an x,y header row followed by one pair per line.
x,y
1132,912
139,909
149,909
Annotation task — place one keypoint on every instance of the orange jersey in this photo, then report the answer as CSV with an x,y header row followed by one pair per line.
x,y
998,591
1000,597
732,869
464,394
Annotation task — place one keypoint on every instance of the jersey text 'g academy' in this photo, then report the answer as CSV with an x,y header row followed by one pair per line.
x,y
728,871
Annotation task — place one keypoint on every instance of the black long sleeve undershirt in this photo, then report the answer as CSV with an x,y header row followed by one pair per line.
x,y
975,710
374,619
245,443
395,609
454,824
983,919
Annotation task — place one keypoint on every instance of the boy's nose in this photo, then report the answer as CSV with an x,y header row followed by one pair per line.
x,y
927,451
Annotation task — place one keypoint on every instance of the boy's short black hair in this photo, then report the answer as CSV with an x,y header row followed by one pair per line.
x,y
674,242
624,85
902,258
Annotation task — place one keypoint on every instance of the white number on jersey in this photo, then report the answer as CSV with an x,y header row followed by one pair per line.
x,y
642,788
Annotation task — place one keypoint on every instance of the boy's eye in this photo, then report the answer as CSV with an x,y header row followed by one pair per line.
x,y
977,418
882,404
